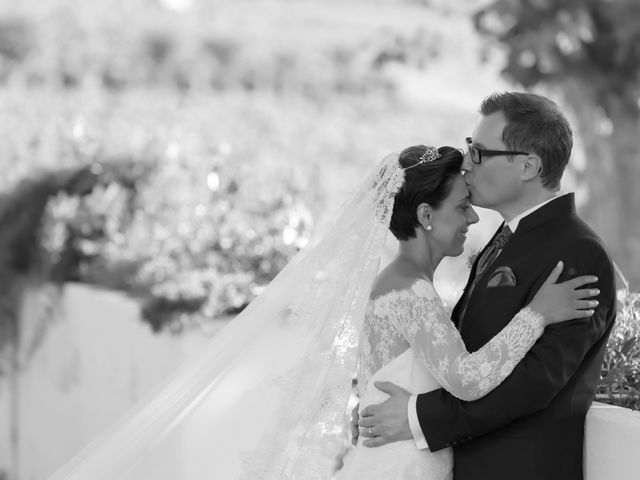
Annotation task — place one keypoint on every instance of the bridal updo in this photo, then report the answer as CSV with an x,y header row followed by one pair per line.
x,y
427,182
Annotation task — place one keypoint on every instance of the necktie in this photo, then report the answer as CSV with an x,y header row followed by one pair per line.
x,y
492,252
484,261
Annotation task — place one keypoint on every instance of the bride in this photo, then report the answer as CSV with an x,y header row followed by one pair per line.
x,y
269,398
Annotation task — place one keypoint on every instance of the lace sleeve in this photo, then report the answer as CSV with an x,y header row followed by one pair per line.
x,y
437,343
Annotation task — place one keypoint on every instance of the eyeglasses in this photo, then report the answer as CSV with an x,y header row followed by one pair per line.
x,y
476,153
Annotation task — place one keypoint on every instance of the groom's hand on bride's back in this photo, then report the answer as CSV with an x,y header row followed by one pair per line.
x,y
388,421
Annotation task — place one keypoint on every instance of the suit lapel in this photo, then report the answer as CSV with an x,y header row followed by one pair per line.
x,y
457,310
529,232
524,239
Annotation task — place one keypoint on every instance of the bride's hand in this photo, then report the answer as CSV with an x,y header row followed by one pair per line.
x,y
559,302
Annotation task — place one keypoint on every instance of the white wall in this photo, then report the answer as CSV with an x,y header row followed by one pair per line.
x,y
95,361
612,443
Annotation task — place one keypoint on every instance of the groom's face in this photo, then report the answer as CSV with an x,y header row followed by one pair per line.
x,y
495,182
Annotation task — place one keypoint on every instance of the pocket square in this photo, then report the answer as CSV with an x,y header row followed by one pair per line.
x,y
502,277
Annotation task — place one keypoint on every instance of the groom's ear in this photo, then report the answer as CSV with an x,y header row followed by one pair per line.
x,y
531,167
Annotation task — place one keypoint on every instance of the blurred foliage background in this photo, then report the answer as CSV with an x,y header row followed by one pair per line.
x,y
183,150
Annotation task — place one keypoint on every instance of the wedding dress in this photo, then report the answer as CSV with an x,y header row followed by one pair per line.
x,y
409,339
269,397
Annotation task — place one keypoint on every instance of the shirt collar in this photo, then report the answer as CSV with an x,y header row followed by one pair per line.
x,y
513,224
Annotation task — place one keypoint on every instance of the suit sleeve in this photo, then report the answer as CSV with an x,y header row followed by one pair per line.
x,y
537,379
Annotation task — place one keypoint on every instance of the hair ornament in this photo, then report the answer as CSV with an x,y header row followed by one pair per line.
x,y
430,154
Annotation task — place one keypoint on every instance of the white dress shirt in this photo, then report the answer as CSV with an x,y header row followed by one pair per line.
x,y
414,424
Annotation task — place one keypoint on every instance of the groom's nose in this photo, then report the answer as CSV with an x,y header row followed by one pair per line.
x,y
467,164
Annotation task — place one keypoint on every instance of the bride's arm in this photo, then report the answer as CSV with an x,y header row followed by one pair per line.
x,y
468,376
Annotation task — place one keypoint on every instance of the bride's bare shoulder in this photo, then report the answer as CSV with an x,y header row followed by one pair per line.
x,y
391,279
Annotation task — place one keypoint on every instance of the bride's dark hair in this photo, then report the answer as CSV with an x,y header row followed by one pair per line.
x,y
427,182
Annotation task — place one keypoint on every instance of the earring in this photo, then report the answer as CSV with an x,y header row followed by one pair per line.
x,y
428,228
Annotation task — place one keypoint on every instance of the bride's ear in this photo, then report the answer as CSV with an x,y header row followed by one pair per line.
x,y
424,214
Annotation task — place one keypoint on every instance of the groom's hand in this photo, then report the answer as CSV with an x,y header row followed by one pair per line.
x,y
386,422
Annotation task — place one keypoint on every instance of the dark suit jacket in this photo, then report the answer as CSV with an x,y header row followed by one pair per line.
x,y
532,425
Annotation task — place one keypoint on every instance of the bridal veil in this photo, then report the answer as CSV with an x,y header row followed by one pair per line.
x,y
268,398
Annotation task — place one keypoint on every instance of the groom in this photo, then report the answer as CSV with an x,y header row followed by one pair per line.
x,y
532,425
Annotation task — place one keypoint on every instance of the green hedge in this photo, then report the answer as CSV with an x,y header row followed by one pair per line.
x,y
620,378
129,225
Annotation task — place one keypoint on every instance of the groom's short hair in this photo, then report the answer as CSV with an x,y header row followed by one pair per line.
x,y
534,124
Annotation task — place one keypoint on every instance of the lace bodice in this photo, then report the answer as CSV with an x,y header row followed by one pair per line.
x,y
415,318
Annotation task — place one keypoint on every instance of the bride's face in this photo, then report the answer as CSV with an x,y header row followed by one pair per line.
x,y
451,221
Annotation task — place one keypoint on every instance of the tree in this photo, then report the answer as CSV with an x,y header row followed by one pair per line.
x,y
588,51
